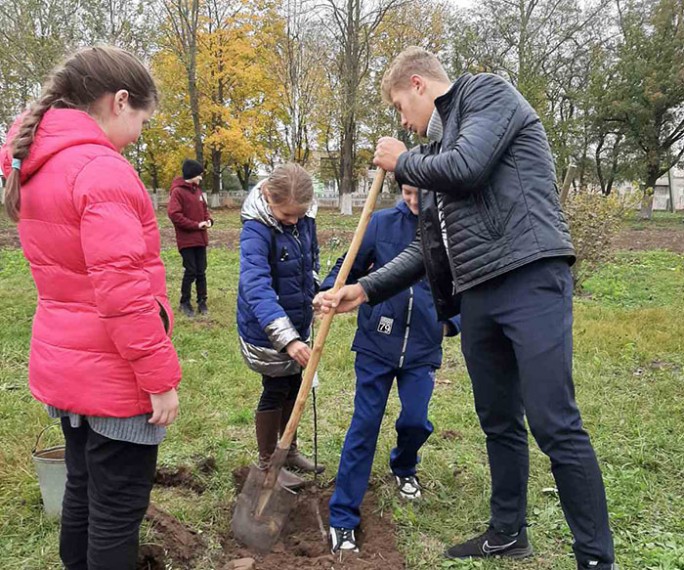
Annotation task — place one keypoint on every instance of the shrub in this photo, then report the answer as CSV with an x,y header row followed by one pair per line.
x,y
594,221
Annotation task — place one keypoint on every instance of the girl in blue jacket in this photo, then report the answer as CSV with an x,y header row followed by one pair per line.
x,y
400,338
278,274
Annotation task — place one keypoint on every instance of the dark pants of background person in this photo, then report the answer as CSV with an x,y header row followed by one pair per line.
x,y
195,264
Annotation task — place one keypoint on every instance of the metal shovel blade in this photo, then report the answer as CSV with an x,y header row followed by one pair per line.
x,y
259,526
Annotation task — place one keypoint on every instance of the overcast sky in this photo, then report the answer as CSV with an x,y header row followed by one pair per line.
x,y
463,3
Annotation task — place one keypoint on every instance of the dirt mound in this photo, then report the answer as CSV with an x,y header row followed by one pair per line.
x,y
151,557
185,476
178,477
304,544
177,543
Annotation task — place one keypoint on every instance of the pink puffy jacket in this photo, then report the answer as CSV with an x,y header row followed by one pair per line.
x,y
99,345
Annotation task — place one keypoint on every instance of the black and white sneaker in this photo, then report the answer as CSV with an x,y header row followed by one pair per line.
x,y
493,543
409,487
596,565
342,539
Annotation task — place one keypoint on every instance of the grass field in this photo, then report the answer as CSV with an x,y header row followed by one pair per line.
x,y
629,362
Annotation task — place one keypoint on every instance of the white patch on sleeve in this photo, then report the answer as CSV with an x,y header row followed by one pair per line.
x,y
385,325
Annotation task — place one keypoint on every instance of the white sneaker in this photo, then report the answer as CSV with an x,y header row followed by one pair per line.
x,y
409,487
343,539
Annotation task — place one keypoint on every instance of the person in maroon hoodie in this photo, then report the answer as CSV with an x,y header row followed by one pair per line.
x,y
190,216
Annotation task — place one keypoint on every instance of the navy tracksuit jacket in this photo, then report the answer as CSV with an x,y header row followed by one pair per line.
x,y
400,338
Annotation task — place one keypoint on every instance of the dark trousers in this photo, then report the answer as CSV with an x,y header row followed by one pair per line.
x,y
195,264
277,390
374,381
517,342
106,496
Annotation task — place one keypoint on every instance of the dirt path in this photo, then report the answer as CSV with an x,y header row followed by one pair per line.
x,y
629,239
649,239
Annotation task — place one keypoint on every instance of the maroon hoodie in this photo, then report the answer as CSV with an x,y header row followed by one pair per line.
x,y
187,208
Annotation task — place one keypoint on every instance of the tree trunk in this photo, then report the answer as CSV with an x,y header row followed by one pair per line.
x,y
670,186
155,177
215,170
346,204
350,83
347,169
244,173
195,112
646,211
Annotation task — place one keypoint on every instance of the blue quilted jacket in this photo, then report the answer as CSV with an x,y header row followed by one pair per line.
x,y
278,275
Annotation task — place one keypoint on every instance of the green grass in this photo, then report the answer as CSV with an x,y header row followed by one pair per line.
x,y
629,359
660,220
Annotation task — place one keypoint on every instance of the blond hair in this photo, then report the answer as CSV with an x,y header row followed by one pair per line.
x,y
412,61
290,183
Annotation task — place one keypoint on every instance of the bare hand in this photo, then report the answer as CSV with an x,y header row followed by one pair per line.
x,y
387,153
318,301
299,351
203,225
164,408
346,299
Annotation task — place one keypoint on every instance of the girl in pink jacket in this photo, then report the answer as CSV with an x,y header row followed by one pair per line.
x,y
101,355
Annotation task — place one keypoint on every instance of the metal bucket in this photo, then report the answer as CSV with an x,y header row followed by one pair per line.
x,y
51,469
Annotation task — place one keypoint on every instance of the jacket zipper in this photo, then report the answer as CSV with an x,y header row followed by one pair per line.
x,y
295,235
452,267
408,329
454,288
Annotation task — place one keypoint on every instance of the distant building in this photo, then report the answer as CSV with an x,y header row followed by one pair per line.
x,y
661,195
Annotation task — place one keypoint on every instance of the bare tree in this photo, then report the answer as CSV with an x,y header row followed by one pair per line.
x,y
181,29
352,27
299,69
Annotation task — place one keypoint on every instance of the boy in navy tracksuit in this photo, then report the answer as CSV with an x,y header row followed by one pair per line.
x,y
400,338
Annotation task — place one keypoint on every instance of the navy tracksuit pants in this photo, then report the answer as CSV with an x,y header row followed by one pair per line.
x,y
373,384
517,342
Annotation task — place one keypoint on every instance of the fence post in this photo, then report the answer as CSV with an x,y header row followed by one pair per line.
x,y
569,175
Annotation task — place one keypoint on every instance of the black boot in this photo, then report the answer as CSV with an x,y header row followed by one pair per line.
x,y
267,424
202,308
186,309
295,459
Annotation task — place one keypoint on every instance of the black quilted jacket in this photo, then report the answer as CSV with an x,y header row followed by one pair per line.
x,y
496,176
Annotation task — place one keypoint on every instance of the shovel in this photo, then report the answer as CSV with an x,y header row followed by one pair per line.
x,y
263,507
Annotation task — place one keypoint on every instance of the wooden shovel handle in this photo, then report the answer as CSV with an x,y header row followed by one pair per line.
x,y
324,328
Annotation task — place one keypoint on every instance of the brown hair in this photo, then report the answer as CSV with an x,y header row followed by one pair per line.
x,y
290,183
412,61
81,80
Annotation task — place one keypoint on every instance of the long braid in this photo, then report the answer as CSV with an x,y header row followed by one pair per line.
x,y
22,144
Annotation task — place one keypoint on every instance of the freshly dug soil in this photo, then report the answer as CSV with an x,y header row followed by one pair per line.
x,y
178,477
176,542
304,543
187,477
